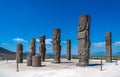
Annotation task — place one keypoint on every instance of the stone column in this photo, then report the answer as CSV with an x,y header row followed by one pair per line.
x,y
56,46
29,60
83,40
36,61
42,47
108,47
68,49
33,47
20,53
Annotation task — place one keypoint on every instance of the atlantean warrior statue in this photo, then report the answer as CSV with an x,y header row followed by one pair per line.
x,y
32,47
108,47
42,47
83,40
56,46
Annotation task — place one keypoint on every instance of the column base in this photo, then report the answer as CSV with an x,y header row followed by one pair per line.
x,y
82,64
55,62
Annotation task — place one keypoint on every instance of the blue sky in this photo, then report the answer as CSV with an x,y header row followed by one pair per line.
x,y
21,20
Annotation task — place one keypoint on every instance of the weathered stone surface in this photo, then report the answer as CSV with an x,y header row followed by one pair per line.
x,y
29,60
83,40
36,61
20,53
42,47
108,47
32,47
56,46
68,49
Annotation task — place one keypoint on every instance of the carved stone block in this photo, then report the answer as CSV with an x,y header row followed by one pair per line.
x,y
56,46
33,47
20,53
108,47
42,47
68,49
83,40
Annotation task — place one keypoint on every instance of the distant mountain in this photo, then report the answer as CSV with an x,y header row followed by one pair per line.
x,y
49,54
26,52
6,54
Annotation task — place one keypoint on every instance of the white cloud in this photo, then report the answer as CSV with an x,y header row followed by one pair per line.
x,y
19,40
64,42
4,44
99,44
117,43
48,41
37,40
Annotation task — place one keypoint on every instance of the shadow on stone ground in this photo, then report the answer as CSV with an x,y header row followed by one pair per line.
x,y
67,62
94,64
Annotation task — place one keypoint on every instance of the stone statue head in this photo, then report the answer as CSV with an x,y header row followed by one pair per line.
x,y
33,40
42,38
19,47
56,33
83,22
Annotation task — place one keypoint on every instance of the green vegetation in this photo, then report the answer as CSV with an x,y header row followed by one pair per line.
x,y
103,57
98,57
114,57
47,57
74,57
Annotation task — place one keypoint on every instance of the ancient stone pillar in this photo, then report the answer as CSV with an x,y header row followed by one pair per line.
x,y
32,47
36,61
20,53
68,49
42,47
108,47
56,46
29,60
83,40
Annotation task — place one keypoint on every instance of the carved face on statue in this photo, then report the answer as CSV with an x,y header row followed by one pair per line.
x,y
56,34
83,22
42,38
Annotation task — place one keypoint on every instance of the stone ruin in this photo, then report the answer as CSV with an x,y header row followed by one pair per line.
x,y
20,53
29,60
68,49
33,59
36,61
42,47
108,47
56,46
83,40
83,37
32,47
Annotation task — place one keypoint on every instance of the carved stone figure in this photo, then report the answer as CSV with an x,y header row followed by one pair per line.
x,y
108,47
42,47
68,49
20,53
32,47
56,46
83,40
